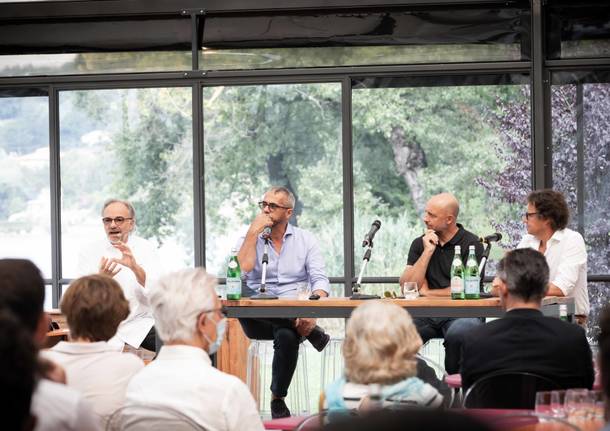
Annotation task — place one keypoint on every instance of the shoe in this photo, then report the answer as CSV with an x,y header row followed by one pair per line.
x,y
318,339
279,409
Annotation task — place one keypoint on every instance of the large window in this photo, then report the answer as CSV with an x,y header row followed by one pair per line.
x,y
412,143
258,136
25,214
581,169
129,144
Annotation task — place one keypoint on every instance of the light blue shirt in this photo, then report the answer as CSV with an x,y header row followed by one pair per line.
x,y
299,260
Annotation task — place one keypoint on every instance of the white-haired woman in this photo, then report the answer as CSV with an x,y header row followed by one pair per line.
x,y
189,319
380,345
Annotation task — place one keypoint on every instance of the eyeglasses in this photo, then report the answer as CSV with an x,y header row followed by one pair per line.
x,y
526,216
271,205
117,220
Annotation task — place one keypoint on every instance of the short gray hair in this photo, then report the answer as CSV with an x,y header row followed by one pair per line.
x,y
178,299
128,205
285,191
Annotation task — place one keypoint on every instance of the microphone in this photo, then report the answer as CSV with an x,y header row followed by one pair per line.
x,y
492,238
266,234
368,238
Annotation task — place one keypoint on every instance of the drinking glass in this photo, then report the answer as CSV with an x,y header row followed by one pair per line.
x,y
576,405
409,290
303,291
557,403
543,402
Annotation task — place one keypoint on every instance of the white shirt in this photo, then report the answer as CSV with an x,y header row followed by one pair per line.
x,y
98,371
134,329
59,408
183,378
566,256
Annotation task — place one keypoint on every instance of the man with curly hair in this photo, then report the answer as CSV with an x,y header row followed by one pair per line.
x,y
546,221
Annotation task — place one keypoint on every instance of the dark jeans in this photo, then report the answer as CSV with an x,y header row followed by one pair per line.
x,y
150,342
452,330
286,342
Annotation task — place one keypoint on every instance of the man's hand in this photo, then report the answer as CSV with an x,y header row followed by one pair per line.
x,y
260,222
127,258
430,240
109,267
304,326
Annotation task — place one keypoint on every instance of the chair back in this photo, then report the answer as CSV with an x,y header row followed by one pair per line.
x,y
507,390
435,375
139,417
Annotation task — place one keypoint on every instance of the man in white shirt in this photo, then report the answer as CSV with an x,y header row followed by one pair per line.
x,y
191,324
133,262
55,406
564,249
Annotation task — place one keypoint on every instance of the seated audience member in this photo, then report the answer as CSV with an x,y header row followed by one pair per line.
x,y
604,359
191,325
524,339
546,220
55,406
94,306
17,374
380,345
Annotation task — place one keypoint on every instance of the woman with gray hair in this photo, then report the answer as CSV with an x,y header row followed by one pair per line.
x,y
380,345
190,321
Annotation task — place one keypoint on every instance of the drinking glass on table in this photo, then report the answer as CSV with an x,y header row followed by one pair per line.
x,y
557,403
543,402
409,290
576,405
303,290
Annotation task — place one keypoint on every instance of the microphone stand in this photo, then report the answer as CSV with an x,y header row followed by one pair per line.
x,y
262,292
356,288
484,261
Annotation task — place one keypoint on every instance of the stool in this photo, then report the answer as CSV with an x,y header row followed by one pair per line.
x,y
258,379
332,362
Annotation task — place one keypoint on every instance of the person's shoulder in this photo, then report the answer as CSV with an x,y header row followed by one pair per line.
x,y
127,362
481,334
52,395
470,237
573,236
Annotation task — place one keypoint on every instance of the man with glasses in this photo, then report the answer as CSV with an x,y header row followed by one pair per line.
x,y
133,262
294,258
182,378
564,249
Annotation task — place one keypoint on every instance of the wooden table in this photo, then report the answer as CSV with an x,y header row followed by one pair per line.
x,y
343,307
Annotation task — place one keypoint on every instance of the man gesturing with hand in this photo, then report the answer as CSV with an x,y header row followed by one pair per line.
x,y
133,262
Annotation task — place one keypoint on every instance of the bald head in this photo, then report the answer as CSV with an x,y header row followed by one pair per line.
x,y
441,213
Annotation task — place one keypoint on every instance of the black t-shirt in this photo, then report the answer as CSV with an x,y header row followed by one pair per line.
x,y
439,267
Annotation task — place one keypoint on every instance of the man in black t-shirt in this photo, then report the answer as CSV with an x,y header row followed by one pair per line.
x,y
429,264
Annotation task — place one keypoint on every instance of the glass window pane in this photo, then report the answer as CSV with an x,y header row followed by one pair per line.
x,y
25,214
578,30
417,35
413,142
133,144
257,136
581,161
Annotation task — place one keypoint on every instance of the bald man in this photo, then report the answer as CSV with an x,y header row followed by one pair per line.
x,y
429,264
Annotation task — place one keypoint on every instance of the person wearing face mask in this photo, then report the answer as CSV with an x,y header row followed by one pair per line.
x,y
133,262
190,322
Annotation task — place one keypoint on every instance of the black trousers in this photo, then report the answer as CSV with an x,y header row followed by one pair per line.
x,y
286,342
150,342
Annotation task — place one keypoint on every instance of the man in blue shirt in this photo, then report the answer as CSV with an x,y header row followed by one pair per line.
x,y
294,257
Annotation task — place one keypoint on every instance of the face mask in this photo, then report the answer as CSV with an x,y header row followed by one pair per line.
x,y
221,325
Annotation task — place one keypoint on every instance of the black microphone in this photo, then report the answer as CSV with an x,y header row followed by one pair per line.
x,y
492,238
368,238
266,234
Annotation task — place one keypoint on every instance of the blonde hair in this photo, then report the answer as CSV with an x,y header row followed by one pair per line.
x,y
380,345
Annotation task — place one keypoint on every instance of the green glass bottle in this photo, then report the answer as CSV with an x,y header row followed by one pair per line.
x,y
457,275
472,281
233,277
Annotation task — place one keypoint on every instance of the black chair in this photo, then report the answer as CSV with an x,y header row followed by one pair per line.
x,y
507,390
